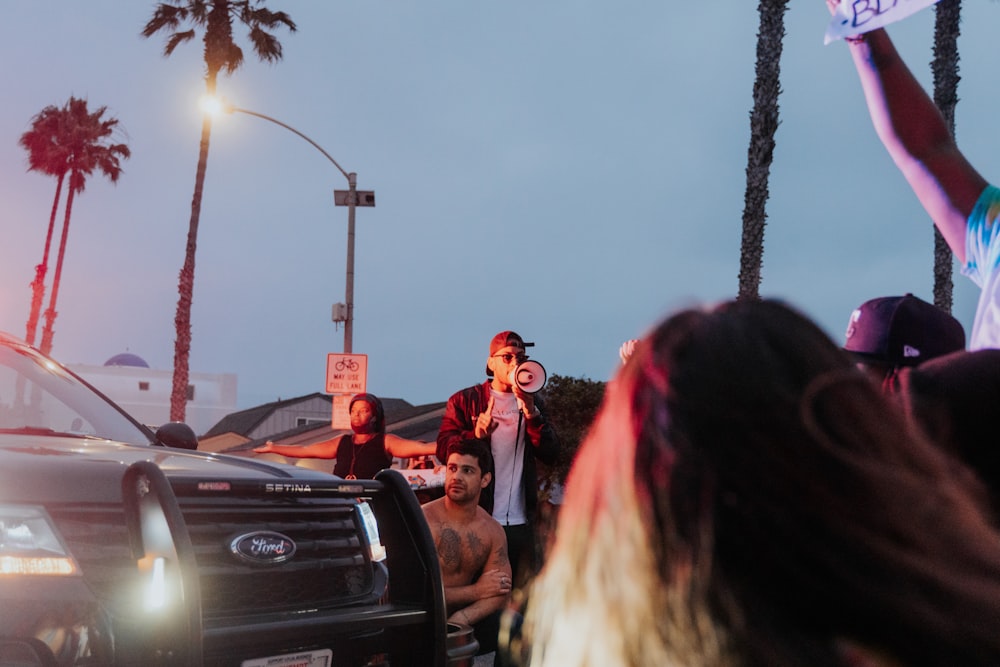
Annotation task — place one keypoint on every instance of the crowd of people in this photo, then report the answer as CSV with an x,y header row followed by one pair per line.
x,y
751,492
484,526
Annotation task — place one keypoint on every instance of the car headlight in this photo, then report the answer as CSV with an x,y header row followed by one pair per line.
x,y
30,545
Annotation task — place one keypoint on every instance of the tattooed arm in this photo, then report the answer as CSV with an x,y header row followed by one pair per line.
x,y
472,554
471,603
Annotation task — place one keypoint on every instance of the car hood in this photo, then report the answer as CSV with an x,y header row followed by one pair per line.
x,y
68,469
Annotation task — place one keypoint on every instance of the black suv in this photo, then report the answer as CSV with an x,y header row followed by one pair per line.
x,y
118,550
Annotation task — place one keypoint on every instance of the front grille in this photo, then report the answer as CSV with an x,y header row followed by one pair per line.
x,y
329,568
98,539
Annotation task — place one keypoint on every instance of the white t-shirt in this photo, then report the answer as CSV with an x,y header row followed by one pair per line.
x,y
982,265
507,443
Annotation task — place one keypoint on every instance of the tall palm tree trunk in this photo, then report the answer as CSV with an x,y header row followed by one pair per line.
x,y
181,20
185,284
38,284
763,125
50,313
946,78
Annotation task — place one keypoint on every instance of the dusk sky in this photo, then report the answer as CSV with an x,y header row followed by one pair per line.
x,y
571,170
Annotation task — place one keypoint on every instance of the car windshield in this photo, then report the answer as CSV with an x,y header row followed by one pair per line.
x,y
38,397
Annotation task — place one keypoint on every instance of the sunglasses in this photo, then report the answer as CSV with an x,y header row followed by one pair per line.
x,y
510,356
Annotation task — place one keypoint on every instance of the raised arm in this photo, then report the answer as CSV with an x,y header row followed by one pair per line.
x,y
325,449
916,135
407,449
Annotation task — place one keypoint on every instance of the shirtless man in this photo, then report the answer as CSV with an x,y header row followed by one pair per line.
x,y
471,545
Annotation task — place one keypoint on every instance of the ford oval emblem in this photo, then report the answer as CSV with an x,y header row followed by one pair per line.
x,y
263,547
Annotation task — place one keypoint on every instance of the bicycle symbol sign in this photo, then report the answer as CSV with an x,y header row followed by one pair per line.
x,y
346,365
346,373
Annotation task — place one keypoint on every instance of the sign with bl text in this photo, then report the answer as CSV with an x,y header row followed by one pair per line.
x,y
346,373
856,17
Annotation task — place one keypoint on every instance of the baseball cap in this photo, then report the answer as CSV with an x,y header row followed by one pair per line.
x,y
902,331
505,338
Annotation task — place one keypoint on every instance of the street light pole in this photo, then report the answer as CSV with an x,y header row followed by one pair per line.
x,y
352,202
341,198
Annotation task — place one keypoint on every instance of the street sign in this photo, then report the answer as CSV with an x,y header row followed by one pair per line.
x,y
346,373
343,198
341,418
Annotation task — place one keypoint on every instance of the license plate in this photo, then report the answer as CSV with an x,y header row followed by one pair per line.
x,y
321,658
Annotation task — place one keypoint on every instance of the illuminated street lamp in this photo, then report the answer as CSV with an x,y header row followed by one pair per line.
x,y
351,198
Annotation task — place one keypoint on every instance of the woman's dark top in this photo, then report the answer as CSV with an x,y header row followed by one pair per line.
x,y
361,461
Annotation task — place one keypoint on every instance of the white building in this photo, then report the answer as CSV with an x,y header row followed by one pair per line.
x,y
145,393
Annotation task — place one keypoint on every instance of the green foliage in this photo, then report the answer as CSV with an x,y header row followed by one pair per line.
x,y
570,407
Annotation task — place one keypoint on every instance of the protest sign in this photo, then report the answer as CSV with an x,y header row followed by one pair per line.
x,y
855,17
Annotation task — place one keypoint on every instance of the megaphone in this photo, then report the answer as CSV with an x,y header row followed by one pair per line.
x,y
528,376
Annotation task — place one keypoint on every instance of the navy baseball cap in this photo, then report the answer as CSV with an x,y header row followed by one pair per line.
x,y
902,331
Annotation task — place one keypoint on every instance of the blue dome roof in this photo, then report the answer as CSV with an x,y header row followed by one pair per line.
x,y
127,359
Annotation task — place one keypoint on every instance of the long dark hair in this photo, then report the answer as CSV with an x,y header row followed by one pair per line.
x,y
786,508
954,400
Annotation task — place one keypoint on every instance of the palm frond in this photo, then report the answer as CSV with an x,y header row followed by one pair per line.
x,y
265,45
217,18
165,17
262,16
233,59
176,39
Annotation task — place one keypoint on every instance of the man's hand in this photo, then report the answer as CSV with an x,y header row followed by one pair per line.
x,y
493,583
266,448
525,402
485,424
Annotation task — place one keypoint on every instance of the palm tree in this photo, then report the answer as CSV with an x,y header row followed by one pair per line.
x,y
763,125
85,139
946,78
48,155
222,54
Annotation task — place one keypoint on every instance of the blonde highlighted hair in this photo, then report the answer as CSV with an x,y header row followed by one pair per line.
x,y
747,497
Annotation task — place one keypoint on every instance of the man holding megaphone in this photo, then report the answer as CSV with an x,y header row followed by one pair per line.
x,y
505,412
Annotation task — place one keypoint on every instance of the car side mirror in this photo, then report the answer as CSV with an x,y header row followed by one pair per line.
x,y
178,435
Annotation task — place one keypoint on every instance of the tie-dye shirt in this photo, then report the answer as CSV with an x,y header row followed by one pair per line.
x,y
982,265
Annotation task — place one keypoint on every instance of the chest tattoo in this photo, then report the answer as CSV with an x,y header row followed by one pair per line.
x,y
461,553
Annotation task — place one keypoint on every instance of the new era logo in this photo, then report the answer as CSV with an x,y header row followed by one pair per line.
x,y
910,351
